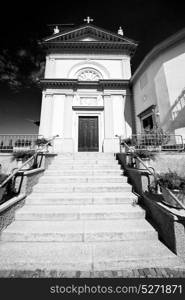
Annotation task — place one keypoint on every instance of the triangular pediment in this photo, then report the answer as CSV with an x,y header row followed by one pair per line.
x,y
88,33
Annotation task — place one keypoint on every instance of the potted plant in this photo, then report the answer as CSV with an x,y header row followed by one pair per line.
x,y
145,155
22,156
175,183
2,189
128,141
154,139
40,142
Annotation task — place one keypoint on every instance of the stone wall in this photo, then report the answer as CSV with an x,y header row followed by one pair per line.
x,y
170,160
7,214
30,178
170,227
7,163
168,222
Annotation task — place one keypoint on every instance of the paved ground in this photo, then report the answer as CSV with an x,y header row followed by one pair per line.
x,y
128,273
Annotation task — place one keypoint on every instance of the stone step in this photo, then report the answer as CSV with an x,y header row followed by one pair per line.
x,y
80,198
48,256
79,231
80,179
89,159
81,162
84,166
82,187
73,172
84,155
78,212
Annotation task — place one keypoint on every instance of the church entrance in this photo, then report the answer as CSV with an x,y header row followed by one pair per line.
x,y
88,138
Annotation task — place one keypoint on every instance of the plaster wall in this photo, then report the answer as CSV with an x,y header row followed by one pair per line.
x,y
66,66
160,83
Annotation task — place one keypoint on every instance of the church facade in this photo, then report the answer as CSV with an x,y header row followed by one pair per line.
x,y
86,97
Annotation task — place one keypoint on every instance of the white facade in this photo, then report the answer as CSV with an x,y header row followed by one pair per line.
x,y
159,86
92,84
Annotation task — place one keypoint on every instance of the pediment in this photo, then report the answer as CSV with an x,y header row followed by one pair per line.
x,y
88,33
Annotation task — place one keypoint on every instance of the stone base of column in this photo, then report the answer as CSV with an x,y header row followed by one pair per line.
x,y
63,145
111,145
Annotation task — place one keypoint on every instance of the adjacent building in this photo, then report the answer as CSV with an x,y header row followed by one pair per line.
x,y
158,87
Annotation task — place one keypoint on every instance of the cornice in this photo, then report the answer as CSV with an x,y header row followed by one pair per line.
x,y
84,47
75,84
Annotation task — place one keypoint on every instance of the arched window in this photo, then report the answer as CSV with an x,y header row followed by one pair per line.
x,y
88,74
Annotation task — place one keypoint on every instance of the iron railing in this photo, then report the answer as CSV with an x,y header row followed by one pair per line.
x,y
13,142
152,172
157,142
178,105
32,158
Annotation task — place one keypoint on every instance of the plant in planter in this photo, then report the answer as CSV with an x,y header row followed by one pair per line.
x,y
174,183
3,189
155,138
41,142
129,150
145,155
8,190
22,156
128,141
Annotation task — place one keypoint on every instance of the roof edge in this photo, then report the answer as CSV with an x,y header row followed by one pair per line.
x,y
158,49
46,39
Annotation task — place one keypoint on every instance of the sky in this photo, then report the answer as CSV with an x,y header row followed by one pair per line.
x,y
22,23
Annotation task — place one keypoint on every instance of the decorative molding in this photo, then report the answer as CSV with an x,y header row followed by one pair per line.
x,y
146,111
88,74
88,108
101,47
104,73
76,84
89,30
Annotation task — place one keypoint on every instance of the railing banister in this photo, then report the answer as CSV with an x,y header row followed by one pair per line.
x,y
27,161
155,176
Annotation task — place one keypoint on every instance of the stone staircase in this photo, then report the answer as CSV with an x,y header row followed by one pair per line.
x,y
82,216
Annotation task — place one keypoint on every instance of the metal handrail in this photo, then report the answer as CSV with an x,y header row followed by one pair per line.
x,y
27,161
154,174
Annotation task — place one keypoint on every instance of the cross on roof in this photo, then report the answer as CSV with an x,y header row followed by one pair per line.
x,y
88,20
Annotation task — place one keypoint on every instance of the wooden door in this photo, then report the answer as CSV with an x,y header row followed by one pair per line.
x,y
88,134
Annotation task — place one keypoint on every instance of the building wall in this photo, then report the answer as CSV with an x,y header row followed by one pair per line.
x,y
66,66
59,118
59,114
160,83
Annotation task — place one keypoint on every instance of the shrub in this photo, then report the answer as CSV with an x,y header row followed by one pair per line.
x,y
144,154
8,190
172,181
3,177
41,142
23,154
155,137
128,141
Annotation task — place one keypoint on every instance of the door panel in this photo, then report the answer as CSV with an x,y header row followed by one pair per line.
x,y
88,134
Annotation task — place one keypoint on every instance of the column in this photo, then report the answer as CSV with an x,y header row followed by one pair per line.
x,y
110,142
68,143
46,115
108,117
58,115
50,67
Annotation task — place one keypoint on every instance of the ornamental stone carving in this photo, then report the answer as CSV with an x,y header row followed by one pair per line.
x,y
89,74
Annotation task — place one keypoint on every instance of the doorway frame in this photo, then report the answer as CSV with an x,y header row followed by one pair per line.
x,y
96,140
88,113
